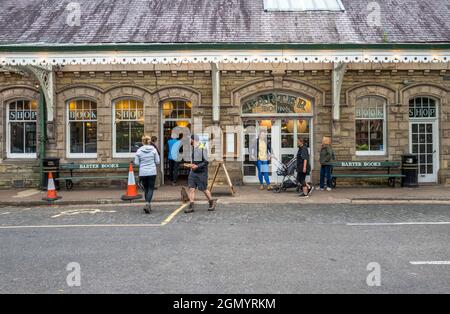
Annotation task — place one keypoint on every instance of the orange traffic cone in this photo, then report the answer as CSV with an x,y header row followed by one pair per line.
x,y
132,193
51,190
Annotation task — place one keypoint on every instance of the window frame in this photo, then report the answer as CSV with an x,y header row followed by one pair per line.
x,y
373,152
68,121
114,129
9,154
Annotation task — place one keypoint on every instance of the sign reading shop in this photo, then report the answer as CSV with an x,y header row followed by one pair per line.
x,y
422,112
274,103
22,115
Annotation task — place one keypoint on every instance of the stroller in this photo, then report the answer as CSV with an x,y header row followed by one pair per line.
x,y
289,173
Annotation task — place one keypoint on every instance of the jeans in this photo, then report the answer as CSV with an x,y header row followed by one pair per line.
x,y
325,173
263,171
173,170
148,183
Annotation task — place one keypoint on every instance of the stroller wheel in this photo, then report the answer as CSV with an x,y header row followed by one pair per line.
x,y
277,189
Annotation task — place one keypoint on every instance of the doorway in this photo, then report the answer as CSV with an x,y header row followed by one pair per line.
x,y
174,113
282,133
424,137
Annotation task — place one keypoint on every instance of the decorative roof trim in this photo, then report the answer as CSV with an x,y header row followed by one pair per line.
x,y
224,56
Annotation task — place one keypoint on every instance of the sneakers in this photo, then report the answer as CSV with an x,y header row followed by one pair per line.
x,y
329,189
212,205
261,188
148,209
189,209
269,188
303,195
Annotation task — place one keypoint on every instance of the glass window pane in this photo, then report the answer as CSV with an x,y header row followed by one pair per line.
x,y
362,135
376,135
287,141
123,137
30,137
137,131
90,140
17,137
76,137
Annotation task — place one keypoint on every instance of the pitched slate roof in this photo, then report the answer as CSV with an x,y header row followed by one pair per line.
x,y
219,21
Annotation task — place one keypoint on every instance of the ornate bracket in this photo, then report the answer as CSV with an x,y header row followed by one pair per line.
x,y
337,79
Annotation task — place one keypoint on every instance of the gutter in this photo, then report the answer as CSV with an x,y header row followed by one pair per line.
x,y
45,47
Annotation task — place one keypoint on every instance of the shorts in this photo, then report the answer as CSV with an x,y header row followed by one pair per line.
x,y
301,178
198,181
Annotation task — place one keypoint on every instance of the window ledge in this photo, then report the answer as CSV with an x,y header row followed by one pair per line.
x,y
369,154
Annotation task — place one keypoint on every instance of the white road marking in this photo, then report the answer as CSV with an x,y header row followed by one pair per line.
x,y
81,226
399,223
82,211
26,193
431,263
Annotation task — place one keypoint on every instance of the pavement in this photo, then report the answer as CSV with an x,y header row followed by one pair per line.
x,y
433,194
259,248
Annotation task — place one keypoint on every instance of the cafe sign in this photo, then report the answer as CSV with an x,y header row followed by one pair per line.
x,y
274,103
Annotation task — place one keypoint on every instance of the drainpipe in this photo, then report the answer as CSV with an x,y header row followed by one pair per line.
x,y
215,73
41,136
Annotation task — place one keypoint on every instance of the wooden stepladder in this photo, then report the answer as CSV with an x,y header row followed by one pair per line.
x,y
230,184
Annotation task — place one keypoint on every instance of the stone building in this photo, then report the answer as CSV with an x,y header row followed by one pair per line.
x,y
82,81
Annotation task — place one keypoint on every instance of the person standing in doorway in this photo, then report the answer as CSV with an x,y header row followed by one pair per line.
x,y
263,155
198,175
327,156
147,158
303,167
173,146
154,143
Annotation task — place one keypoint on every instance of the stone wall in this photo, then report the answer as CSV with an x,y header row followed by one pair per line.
x,y
153,87
16,172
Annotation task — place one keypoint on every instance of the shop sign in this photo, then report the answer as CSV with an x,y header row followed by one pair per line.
x,y
426,112
21,115
276,104
99,166
129,114
356,164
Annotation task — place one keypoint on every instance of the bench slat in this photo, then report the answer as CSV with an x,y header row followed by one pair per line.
x,y
91,178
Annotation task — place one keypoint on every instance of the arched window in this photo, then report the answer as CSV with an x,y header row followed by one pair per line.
x,y
82,129
370,126
21,129
128,126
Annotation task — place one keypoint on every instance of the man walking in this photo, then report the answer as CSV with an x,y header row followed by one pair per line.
x,y
198,175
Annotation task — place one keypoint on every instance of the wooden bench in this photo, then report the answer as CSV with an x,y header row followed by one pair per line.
x,y
71,167
354,168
